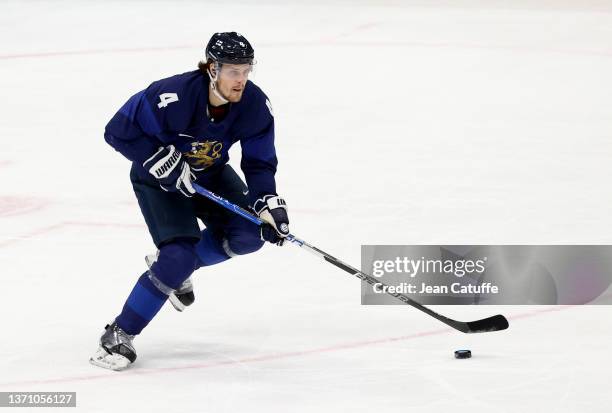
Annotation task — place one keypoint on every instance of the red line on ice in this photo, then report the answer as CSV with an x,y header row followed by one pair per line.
x,y
268,357
103,224
60,53
18,205
31,234
330,41
54,227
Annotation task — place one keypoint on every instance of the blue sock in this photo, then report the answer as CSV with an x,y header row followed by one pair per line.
x,y
143,303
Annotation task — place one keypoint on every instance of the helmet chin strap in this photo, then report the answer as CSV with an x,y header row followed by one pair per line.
x,y
213,84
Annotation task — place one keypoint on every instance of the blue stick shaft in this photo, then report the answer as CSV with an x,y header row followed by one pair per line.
x,y
227,204
243,212
494,323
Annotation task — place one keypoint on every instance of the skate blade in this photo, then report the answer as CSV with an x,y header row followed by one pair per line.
x,y
176,303
115,362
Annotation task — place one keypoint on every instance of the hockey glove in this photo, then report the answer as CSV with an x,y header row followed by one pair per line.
x,y
272,209
171,170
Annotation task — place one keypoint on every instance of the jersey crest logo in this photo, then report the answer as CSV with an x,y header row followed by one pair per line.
x,y
203,154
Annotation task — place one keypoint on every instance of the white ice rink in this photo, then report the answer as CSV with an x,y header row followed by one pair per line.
x,y
397,122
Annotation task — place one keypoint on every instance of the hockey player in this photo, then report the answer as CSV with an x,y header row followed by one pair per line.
x,y
176,132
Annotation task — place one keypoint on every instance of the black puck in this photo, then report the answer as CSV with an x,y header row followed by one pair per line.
x,y
463,354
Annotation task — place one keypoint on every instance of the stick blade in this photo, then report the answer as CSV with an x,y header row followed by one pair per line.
x,y
495,323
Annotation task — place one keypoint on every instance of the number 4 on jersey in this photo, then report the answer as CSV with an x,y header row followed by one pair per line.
x,y
166,98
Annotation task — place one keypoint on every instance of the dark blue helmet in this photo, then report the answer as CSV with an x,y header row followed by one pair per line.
x,y
230,47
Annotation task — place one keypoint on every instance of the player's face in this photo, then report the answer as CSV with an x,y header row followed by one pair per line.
x,y
232,80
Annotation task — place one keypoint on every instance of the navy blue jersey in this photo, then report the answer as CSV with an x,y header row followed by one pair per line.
x,y
173,111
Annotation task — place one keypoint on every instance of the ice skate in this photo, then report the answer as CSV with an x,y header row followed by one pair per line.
x,y
116,351
183,296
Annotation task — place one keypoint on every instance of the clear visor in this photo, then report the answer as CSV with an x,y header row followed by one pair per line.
x,y
235,72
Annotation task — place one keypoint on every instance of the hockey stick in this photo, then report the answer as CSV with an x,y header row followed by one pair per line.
x,y
494,323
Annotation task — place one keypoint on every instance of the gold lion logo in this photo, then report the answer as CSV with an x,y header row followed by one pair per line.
x,y
204,154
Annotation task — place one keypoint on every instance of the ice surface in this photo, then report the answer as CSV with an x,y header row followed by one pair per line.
x,y
398,122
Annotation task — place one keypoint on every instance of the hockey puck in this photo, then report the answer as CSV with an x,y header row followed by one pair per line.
x,y
463,354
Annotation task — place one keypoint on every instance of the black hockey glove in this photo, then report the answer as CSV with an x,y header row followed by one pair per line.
x,y
273,210
172,172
